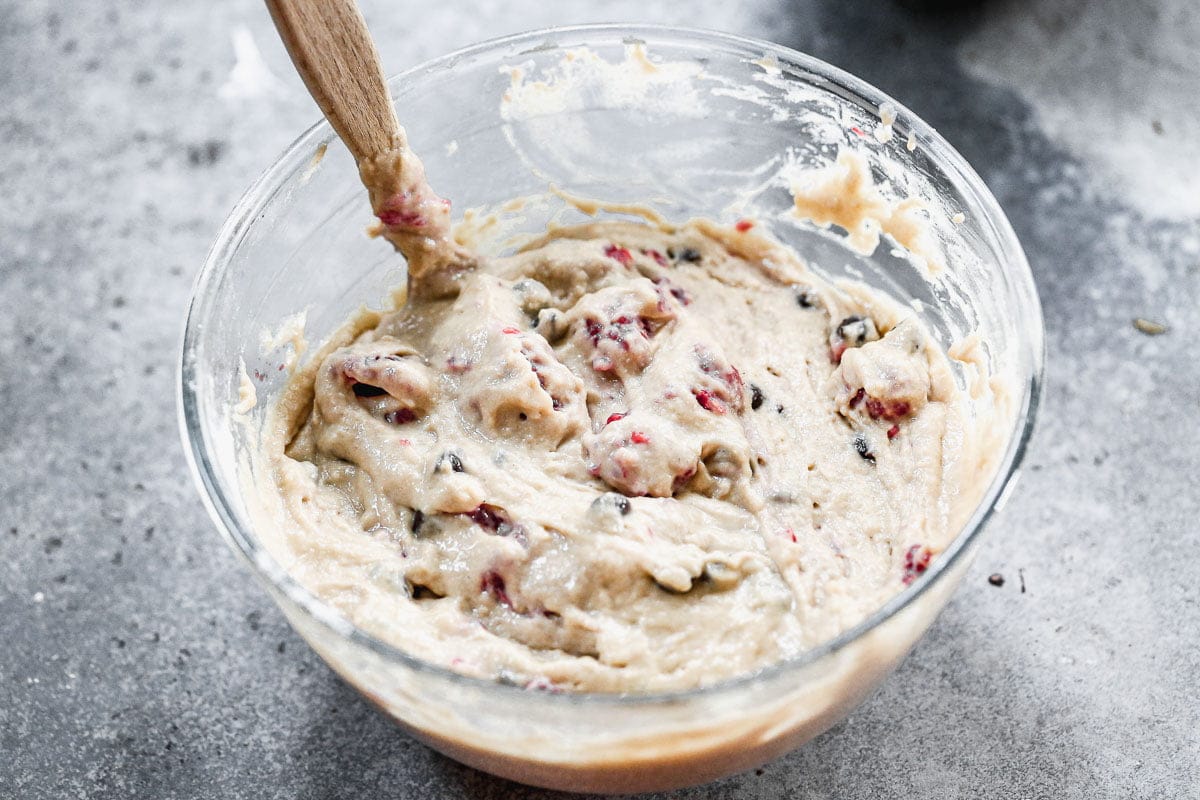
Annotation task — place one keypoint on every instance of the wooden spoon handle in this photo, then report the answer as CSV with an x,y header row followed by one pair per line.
x,y
335,56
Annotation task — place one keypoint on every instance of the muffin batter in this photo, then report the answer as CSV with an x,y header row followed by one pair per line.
x,y
630,457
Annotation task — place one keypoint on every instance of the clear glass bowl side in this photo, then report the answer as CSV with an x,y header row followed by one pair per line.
x,y
296,243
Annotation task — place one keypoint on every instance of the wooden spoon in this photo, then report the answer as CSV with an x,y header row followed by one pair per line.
x,y
337,60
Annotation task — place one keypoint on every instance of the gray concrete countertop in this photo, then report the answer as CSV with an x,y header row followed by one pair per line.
x,y
139,659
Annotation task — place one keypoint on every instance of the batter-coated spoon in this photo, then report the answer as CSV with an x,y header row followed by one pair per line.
x,y
338,62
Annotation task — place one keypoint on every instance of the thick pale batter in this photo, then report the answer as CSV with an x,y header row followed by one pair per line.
x,y
629,458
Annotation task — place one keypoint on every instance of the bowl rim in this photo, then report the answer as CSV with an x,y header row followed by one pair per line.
x,y
196,435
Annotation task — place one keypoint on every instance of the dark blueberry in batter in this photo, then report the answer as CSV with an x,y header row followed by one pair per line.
x,y
756,397
863,448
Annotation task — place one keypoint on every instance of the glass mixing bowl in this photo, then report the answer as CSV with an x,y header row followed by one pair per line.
x,y
705,125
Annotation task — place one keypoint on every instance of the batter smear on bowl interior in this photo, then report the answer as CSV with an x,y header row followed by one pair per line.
x,y
630,457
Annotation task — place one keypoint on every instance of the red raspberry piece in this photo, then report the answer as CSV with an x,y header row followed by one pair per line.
x,y
678,293
492,582
734,380
682,478
657,256
406,219
916,561
708,402
891,410
619,254
398,211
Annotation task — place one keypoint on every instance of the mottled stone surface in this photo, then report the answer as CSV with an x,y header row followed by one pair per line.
x,y
139,659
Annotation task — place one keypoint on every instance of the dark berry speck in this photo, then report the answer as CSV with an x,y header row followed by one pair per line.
x,y
452,459
401,416
367,390
756,397
618,501
863,448
489,518
857,331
